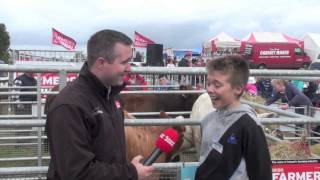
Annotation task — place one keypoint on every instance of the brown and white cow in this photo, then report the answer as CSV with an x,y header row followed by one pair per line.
x,y
141,140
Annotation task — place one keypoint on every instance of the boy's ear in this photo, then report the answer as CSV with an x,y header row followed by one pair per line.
x,y
239,89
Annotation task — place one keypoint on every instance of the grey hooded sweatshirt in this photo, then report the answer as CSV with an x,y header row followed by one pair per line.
x,y
233,146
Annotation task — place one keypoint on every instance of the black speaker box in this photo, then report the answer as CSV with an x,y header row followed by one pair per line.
x,y
154,55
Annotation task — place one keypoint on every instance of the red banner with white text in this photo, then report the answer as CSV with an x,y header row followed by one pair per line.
x,y
296,169
63,40
50,80
141,41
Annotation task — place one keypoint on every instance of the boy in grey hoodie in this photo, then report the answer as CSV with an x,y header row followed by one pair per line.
x,y
233,143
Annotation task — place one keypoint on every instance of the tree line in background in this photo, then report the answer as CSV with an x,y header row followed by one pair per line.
x,y
4,43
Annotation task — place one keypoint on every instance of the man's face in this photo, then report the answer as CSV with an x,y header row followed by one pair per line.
x,y
113,73
221,92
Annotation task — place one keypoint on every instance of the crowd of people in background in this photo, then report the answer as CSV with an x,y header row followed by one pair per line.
x,y
258,86
164,83
186,61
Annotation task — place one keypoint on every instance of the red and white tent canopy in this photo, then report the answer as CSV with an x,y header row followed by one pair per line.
x,y
222,40
256,37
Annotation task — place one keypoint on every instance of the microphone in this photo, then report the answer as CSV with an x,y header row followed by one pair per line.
x,y
165,143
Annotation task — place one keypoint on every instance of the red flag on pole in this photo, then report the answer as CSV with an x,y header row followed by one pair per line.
x,y
141,41
63,40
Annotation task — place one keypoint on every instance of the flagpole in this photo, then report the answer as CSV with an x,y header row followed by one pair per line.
x,y
51,45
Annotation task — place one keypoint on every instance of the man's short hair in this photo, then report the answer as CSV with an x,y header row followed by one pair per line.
x,y
234,66
102,43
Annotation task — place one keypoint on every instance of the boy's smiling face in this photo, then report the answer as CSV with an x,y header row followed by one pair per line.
x,y
221,92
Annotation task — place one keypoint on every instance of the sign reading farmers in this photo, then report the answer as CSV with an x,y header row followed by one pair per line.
x,y
296,169
49,80
63,40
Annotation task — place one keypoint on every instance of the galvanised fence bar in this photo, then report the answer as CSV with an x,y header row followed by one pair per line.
x,y
122,92
161,70
162,122
276,110
167,171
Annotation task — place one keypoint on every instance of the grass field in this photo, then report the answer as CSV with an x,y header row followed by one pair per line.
x,y
21,152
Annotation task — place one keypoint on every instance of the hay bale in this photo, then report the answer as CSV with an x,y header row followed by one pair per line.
x,y
286,150
315,149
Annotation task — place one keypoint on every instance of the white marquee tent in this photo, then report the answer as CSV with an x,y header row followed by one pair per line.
x,y
223,40
312,45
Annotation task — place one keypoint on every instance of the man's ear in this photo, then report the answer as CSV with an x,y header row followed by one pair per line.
x,y
99,63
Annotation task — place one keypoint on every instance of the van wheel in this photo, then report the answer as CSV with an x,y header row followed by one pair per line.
x,y
262,66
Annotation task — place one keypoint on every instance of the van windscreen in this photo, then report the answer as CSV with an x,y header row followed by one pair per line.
x,y
298,51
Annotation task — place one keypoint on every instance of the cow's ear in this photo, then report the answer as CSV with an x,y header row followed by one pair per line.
x,y
163,114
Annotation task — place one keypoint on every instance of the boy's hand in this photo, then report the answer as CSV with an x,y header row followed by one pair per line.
x,y
284,106
143,171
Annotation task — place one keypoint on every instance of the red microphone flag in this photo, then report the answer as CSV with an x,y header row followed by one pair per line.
x,y
167,140
63,40
140,41
165,143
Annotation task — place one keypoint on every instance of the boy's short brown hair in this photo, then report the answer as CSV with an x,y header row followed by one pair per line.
x,y
234,66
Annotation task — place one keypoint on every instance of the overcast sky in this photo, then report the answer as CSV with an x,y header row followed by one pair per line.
x,y
174,23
